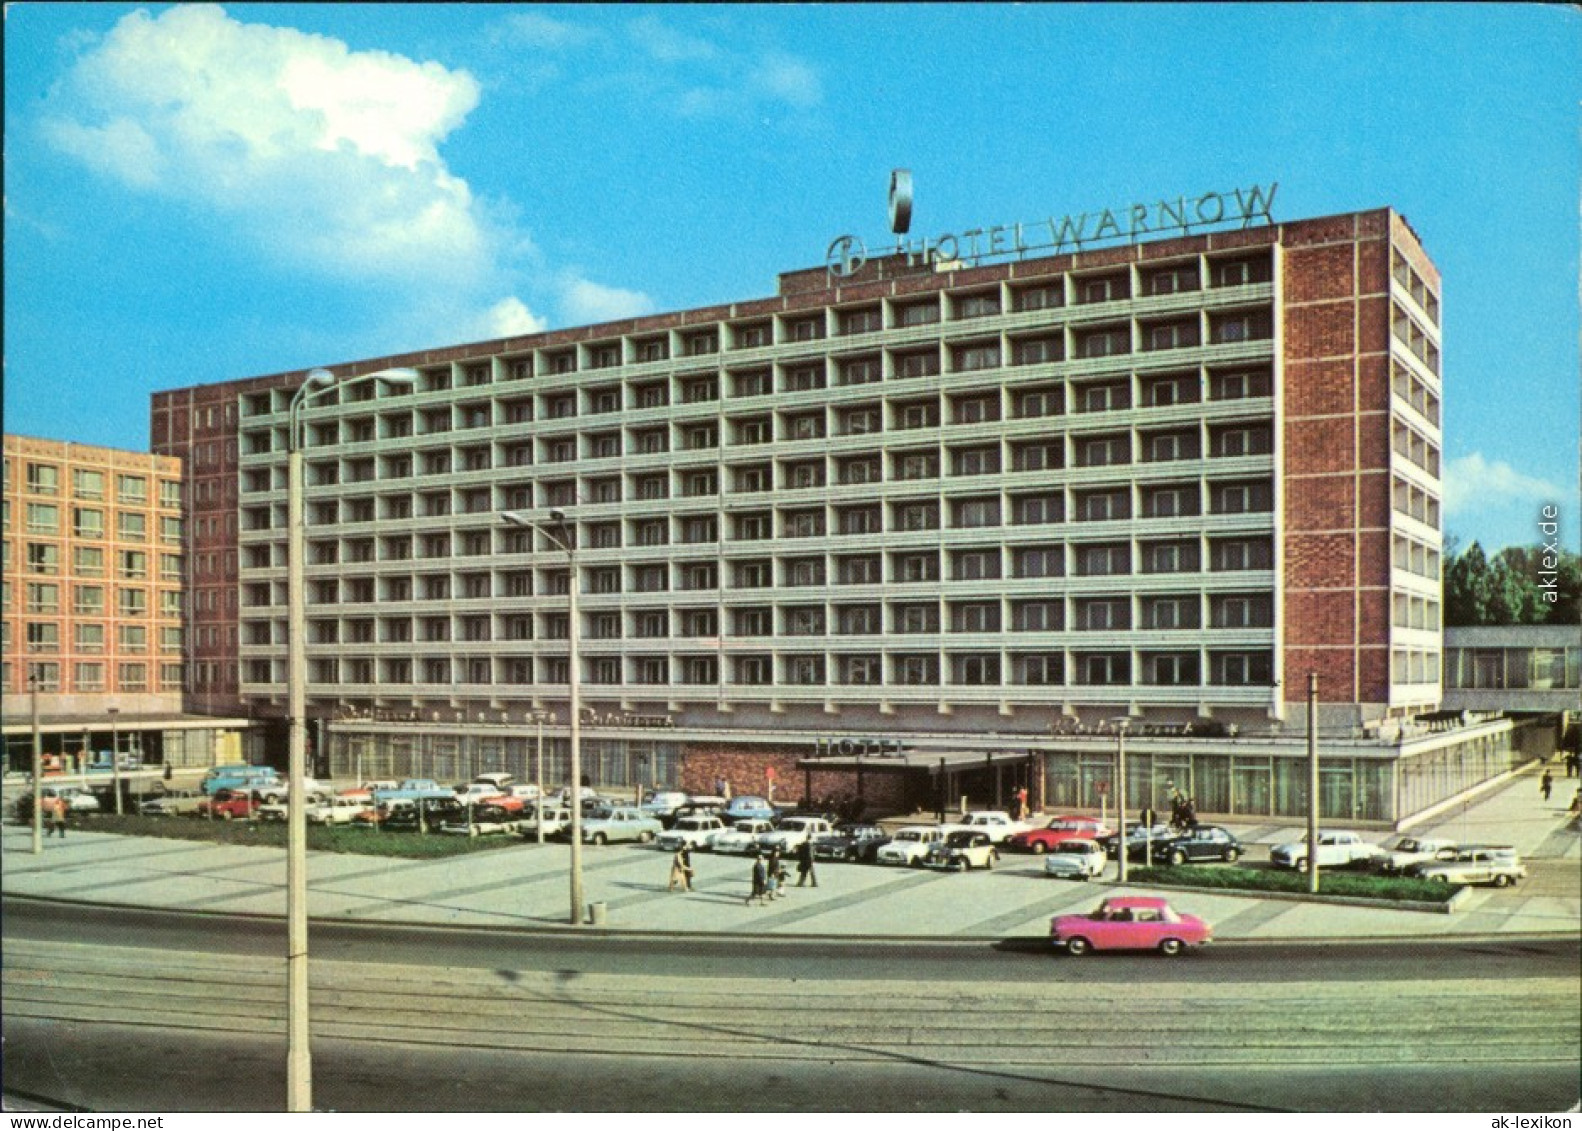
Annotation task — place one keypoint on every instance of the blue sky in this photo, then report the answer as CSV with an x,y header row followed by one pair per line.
x,y
201,193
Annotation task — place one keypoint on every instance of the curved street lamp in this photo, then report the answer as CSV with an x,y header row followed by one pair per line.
x,y
299,1057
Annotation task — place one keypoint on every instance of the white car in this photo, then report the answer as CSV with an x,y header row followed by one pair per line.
x,y
791,832
1076,860
475,791
995,822
1404,851
1336,849
555,818
1474,864
339,810
278,792
742,838
698,832
910,845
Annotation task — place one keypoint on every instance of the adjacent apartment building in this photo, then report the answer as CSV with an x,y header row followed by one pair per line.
x,y
924,529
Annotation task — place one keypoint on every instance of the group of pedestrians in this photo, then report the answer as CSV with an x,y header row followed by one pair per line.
x,y
769,875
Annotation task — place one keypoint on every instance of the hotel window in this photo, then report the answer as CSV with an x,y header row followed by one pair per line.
x,y
1046,297
90,638
912,568
473,415
805,329
604,400
1037,616
858,570
975,461
700,528
1110,396
89,484
651,670
604,626
1172,501
1240,498
861,520
859,620
1171,669
43,557
802,378
654,394
804,524
1234,554
804,620
1240,272
88,600
653,349
1104,288
800,476
975,513
132,602
917,671
917,313
976,670
752,575
604,356
966,359
43,479
860,671
1036,351
753,526
434,546
974,565
45,636
1241,326
1040,561
1181,334
1181,388
1050,400
1241,610
754,336
132,638
805,670
133,564
605,670
560,406
90,677
653,578
753,621
1172,280
859,469
976,409
863,321
1241,669
754,383
1104,506
697,390
977,305
1040,670
975,616
1033,510
1104,669
699,437
805,571
436,587
1241,440
563,450
700,342
699,622
131,489
1112,560
754,430
914,620
1043,456
43,518
1108,341
860,420
1104,451
754,671
436,463
858,371
169,603
921,364
1170,612
917,414
650,441
1104,614
133,677
1162,446
805,426
916,516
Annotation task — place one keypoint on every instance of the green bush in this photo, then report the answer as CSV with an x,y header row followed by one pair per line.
x,y
321,838
1358,884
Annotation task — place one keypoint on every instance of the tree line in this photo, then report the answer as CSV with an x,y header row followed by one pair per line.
x,y
1518,585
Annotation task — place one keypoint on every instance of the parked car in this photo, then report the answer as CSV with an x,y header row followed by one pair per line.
x,y
1039,841
1131,922
742,837
526,790
172,803
228,804
1474,864
276,812
484,819
78,800
791,832
696,832
404,813
746,807
1076,859
1201,842
472,792
1336,849
909,845
239,776
1404,851
701,806
341,809
962,850
383,785
662,804
1138,834
996,823
622,823
500,780
852,841
556,818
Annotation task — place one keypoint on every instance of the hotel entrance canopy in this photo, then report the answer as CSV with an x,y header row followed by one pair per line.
x,y
950,761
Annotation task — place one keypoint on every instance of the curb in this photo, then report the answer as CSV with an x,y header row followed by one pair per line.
x,y
1448,907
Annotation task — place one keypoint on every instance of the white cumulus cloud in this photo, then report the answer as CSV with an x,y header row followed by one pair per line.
x,y
510,318
585,301
1473,483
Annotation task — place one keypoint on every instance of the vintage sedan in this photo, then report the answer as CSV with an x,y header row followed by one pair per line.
x,y
228,804
1474,864
1042,840
1130,922
853,842
1076,860
626,822
746,807
694,832
1404,851
741,839
909,845
172,803
1201,842
342,809
556,819
961,851
1138,833
790,833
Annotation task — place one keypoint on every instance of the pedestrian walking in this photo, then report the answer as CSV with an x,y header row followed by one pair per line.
x,y
1572,760
760,888
776,874
681,869
56,808
1546,784
804,865
1021,804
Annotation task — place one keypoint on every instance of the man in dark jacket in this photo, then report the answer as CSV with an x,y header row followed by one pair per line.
x,y
804,864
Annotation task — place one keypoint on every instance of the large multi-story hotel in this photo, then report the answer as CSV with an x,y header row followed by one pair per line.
x,y
913,528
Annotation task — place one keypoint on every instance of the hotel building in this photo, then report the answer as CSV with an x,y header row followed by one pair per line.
x,y
921,529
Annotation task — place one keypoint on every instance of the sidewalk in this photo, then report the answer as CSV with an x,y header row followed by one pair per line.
x,y
526,886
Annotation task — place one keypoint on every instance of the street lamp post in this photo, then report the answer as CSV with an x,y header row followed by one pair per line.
x,y
299,1057
115,756
563,537
38,766
1120,796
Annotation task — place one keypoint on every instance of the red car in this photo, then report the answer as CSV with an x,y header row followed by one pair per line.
x,y
1130,922
1042,840
228,804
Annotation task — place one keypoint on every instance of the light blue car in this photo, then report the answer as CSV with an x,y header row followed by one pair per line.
x,y
624,823
746,807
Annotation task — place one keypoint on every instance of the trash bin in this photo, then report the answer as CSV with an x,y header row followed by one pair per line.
x,y
597,913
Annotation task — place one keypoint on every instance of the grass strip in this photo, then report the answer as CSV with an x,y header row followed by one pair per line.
x,y
321,838
1329,883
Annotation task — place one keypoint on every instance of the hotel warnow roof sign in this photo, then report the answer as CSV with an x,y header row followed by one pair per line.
x,y
1071,232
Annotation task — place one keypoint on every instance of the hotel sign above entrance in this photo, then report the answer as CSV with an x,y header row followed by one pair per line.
x,y
1183,214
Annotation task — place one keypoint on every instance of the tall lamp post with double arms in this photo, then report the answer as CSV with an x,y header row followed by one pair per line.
x,y
563,536
299,1057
